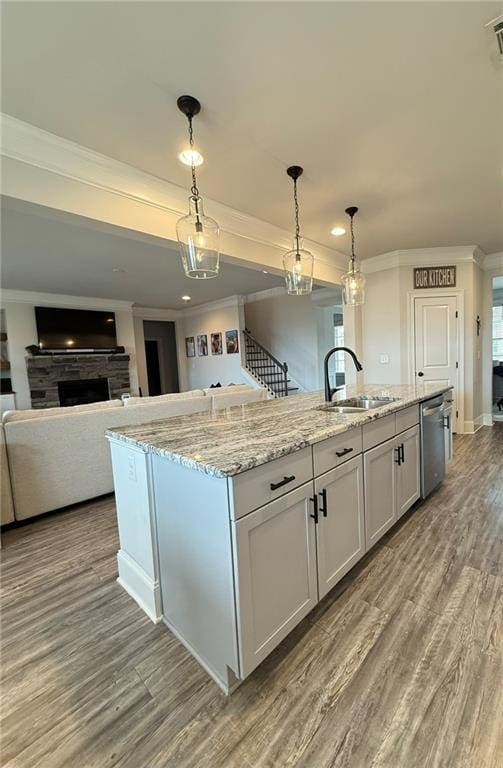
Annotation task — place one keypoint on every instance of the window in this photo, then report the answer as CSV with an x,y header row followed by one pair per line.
x,y
498,333
339,342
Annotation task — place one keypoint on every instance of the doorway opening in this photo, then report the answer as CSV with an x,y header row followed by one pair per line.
x,y
161,357
497,349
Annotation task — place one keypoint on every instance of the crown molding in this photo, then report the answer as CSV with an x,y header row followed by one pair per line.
x,y
36,147
64,301
156,313
267,293
213,306
425,257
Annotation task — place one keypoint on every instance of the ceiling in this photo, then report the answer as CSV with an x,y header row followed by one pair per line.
x,y
394,107
52,252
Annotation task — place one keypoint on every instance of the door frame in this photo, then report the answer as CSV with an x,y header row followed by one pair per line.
x,y
160,354
431,293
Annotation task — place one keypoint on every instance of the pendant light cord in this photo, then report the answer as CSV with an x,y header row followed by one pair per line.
x,y
352,247
297,227
193,189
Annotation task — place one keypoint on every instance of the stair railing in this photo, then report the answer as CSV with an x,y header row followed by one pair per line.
x,y
255,353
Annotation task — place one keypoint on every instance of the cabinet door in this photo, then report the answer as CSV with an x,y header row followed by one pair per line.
x,y
380,490
340,533
275,572
408,476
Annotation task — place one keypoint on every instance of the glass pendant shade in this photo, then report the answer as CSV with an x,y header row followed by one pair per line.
x,y
299,266
353,286
198,239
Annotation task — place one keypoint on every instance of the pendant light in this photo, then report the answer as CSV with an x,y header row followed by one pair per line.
x,y
198,235
298,263
353,282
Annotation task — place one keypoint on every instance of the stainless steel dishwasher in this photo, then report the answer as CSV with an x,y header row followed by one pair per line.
x,y
432,444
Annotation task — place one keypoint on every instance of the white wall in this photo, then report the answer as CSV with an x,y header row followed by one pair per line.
x,y
288,327
22,331
381,316
386,330
217,318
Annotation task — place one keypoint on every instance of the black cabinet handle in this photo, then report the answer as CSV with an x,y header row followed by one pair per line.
x,y
420,373
403,453
314,499
275,486
343,452
398,459
324,509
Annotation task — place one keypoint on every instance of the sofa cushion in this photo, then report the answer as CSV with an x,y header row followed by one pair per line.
x,y
6,508
58,461
38,413
163,398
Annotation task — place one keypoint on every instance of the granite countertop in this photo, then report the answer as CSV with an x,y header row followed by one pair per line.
x,y
226,442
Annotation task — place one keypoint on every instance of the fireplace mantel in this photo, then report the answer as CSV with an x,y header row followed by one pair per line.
x,y
46,371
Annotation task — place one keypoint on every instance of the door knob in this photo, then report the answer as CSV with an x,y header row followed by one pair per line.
x,y
420,373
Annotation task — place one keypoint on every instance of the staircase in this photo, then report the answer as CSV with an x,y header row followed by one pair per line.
x,y
265,368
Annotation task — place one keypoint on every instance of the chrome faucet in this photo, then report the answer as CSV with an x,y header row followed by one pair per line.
x,y
329,391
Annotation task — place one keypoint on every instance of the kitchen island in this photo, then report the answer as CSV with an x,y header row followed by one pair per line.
x,y
234,524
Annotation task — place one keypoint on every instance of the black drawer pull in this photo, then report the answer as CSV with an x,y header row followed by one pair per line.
x,y
343,452
398,459
275,486
314,499
324,509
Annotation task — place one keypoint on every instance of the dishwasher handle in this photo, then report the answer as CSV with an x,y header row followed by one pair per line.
x,y
436,411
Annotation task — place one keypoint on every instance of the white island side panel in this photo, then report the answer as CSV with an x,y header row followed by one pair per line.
x,y
195,565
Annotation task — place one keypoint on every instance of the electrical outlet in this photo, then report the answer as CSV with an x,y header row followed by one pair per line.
x,y
384,359
131,469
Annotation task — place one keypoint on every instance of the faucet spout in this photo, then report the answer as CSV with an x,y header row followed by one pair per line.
x,y
329,391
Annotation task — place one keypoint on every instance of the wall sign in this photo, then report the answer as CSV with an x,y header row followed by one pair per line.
x,y
434,277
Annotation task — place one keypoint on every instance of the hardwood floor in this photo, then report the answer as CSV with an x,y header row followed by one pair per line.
x,y
400,667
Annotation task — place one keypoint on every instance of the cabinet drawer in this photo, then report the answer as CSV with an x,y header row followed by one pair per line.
x,y
336,450
378,431
407,418
260,485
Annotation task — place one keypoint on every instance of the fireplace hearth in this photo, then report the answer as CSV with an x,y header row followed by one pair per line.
x,y
81,391
47,372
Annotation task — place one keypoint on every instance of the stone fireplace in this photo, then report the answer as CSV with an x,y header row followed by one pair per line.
x,y
84,378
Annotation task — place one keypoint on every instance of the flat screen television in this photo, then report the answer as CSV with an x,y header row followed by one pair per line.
x,y
75,329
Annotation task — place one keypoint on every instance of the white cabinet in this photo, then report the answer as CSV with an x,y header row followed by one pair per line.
x,y
392,483
340,533
380,465
408,470
275,573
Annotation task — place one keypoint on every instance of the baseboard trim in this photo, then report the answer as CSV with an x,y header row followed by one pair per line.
x,y
138,584
484,420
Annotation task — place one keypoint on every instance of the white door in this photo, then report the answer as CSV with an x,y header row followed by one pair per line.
x,y
436,342
408,471
340,532
275,565
379,466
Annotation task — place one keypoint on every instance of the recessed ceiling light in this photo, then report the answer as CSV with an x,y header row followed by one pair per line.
x,y
191,157
186,298
338,231
265,271
118,269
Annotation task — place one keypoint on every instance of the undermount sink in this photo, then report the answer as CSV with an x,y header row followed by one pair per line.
x,y
358,404
364,403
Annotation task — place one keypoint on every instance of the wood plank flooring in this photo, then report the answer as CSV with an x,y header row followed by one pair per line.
x,y
400,667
